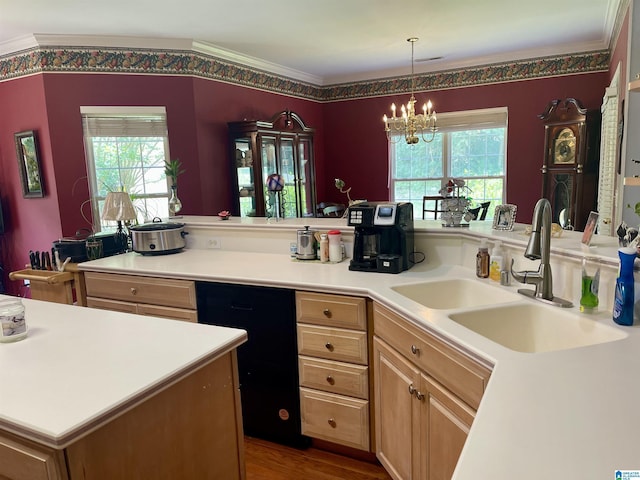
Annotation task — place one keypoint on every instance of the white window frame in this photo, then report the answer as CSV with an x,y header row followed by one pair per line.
x,y
118,128
447,123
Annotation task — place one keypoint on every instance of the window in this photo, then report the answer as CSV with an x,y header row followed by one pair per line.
x,y
469,145
126,148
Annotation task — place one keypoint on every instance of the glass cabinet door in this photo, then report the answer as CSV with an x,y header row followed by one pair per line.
x,y
287,164
269,166
305,179
244,172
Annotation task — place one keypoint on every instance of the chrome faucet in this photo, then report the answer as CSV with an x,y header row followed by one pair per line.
x,y
539,248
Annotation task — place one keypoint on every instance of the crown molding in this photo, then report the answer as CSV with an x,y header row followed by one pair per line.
x,y
473,62
253,62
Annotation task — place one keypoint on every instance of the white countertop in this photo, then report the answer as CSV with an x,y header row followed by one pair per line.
x,y
79,367
563,414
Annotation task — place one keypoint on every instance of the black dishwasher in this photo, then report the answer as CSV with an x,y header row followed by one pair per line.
x,y
267,362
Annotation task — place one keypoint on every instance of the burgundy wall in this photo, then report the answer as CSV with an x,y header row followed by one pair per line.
x,y
356,146
218,103
30,224
619,53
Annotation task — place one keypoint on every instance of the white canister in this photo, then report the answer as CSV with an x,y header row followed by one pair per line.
x,y
12,320
335,248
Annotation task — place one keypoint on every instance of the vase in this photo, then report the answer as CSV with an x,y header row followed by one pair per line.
x,y
175,205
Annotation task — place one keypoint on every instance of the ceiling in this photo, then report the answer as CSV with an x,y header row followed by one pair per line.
x,y
328,41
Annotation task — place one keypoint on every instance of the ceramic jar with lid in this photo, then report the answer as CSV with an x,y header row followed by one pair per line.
x,y
12,320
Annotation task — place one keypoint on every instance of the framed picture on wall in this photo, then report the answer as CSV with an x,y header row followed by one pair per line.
x,y
29,164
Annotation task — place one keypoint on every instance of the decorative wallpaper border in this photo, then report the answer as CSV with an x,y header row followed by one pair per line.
x,y
156,62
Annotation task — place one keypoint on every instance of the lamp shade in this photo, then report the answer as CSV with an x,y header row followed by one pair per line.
x,y
118,207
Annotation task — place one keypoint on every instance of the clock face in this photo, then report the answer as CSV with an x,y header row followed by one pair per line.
x,y
564,147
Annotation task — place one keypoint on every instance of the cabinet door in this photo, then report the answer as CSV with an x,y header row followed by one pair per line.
x,y
306,175
245,177
269,160
445,425
25,460
397,413
288,171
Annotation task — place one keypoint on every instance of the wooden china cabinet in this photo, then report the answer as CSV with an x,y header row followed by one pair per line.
x,y
571,160
282,146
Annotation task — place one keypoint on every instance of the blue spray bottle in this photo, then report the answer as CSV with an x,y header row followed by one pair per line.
x,y
624,296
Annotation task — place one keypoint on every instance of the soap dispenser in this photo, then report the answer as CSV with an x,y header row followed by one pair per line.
x,y
482,260
496,265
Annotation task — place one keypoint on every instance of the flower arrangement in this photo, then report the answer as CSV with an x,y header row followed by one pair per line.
x,y
455,203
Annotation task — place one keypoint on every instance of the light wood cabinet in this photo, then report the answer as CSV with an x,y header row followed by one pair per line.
x,y
333,368
426,394
24,460
191,429
157,297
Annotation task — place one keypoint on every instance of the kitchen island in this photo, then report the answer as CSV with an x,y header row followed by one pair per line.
x,y
561,414
96,394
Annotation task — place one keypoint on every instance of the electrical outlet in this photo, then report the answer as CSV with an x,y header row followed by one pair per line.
x,y
27,282
214,242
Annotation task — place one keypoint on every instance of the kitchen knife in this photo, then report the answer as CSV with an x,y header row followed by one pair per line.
x,y
54,264
36,256
32,259
46,261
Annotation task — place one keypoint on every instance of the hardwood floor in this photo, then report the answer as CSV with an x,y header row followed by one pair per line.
x,y
270,461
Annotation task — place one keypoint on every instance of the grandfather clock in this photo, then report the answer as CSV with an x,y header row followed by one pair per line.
x,y
571,158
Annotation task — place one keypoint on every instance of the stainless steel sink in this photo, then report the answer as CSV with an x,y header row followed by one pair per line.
x,y
535,328
455,293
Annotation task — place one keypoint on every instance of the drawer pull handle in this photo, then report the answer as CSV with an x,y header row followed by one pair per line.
x,y
329,346
419,396
327,313
134,291
332,422
412,389
330,380
415,350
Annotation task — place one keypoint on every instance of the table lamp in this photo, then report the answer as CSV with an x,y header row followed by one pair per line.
x,y
118,207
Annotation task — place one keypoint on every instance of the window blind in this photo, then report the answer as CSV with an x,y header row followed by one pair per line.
x,y
125,126
470,120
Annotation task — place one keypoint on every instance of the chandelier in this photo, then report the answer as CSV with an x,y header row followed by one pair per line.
x,y
414,127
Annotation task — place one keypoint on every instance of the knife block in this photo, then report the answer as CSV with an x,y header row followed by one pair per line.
x,y
47,285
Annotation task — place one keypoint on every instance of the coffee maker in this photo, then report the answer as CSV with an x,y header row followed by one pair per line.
x,y
383,236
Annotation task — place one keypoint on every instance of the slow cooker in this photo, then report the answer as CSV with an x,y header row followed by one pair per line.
x,y
158,238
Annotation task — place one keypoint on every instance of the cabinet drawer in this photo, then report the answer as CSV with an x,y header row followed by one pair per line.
x,y
131,288
22,460
331,310
333,343
462,375
115,305
334,377
335,418
144,309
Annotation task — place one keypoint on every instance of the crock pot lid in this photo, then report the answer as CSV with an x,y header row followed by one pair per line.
x,y
150,227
